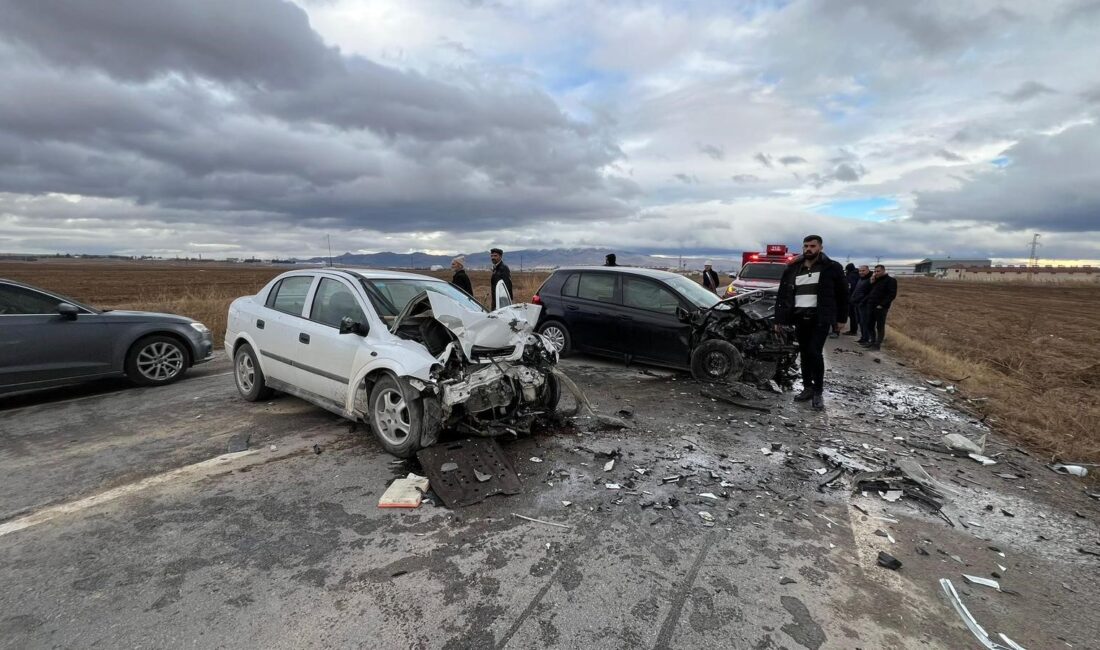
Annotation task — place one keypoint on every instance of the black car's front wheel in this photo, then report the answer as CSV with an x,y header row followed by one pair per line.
x,y
558,335
156,360
717,360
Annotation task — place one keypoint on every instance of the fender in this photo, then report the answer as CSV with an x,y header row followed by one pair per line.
x,y
245,337
419,370
136,332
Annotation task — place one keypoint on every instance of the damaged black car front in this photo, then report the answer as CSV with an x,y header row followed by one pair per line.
x,y
736,340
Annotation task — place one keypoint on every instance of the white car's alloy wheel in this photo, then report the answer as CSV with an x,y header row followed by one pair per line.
x,y
246,373
391,416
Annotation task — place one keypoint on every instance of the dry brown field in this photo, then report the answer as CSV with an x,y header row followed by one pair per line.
x,y
1027,354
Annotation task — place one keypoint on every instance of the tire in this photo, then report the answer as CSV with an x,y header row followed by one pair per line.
x,y
558,335
551,394
157,361
717,360
248,376
396,416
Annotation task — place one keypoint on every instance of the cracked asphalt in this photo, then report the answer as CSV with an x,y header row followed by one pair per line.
x,y
282,547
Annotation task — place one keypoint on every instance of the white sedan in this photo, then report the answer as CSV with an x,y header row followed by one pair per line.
x,y
409,354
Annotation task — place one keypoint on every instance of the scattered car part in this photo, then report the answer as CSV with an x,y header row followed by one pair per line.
x,y
977,630
960,444
841,460
541,521
404,492
888,561
985,582
1071,470
473,456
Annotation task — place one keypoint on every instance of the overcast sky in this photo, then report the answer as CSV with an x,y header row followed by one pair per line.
x,y
893,129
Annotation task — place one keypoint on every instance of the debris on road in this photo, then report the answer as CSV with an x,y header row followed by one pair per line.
x,y
985,582
888,561
585,406
535,459
725,395
317,449
1071,470
895,481
787,581
541,521
847,462
960,444
706,516
609,465
455,470
404,492
968,619
239,442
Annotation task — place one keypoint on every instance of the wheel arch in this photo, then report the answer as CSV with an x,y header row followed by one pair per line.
x,y
189,354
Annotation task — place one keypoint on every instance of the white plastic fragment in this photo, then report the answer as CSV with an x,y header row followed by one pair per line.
x,y
708,495
766,451
566,504
609,465
984,460
1072,470
821,470
891,495
706,516
977,630
536,459
613,486
1012,644
985,582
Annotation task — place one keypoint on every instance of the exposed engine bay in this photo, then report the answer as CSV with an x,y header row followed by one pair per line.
x,y
748,322
494,374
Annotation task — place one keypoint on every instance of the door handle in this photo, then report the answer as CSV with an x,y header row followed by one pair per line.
x,y
259,324
303,338
572,307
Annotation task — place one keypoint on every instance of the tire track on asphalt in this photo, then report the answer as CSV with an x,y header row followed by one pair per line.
x,y
673,618
527,611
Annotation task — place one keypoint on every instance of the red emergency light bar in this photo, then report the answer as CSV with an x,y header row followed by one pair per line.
x,y
777,249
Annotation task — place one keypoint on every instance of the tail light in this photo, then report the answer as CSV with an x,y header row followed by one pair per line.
x,y
535,300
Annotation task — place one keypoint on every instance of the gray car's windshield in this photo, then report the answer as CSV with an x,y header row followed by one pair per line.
x,y
693,291
389,297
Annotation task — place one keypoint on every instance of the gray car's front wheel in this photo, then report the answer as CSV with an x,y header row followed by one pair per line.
x,y
248,375
396,416
156,360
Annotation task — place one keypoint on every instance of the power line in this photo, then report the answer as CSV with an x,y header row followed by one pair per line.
x,y
1033,261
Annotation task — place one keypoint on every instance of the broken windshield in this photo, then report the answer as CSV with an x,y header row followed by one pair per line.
x,y
693,291
389,297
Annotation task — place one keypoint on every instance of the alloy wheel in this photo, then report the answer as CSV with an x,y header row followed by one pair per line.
x,y
160,361
246,373
391,415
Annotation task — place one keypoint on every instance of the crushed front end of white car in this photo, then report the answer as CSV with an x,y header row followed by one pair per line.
x,y
491,374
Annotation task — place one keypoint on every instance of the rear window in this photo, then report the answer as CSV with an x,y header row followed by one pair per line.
x,y
762,272
290,294
597,286
570,286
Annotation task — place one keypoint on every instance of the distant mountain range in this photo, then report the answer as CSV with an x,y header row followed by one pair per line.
x,y
526,259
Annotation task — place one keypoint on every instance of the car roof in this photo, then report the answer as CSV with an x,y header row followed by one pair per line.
x,y
369,274
656,274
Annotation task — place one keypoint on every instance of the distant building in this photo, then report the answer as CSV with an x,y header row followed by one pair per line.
x,y
936,266
1041,274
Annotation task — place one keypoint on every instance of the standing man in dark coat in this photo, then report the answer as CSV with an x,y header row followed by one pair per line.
x,y
501,273
879,298
813,296
710,277
460,279
610,260
853,305
858,297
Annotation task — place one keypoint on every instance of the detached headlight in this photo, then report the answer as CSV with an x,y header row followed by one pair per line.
x,y
200,328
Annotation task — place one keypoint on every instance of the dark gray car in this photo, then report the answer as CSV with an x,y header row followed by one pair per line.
x,y
48,340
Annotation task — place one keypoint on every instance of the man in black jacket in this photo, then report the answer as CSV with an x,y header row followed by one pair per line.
x,y
862,276
813,296
460,279
501,273
856,304
879,298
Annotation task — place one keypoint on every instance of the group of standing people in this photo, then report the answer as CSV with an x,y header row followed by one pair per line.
x,y
501,273
870,295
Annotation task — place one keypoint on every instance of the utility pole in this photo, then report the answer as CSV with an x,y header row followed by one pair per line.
x,y
328,238
1033,261
878,259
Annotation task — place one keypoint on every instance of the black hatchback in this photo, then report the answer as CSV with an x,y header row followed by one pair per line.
x,y
628,313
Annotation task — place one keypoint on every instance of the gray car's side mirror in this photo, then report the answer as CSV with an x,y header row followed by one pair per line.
x,y
348,326
683,315
68,311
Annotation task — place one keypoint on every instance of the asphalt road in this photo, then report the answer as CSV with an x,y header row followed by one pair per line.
x,y
118,530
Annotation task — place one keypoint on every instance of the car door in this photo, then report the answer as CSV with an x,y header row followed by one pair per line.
x,y
37,344
278,325
592,315
326,358
656,334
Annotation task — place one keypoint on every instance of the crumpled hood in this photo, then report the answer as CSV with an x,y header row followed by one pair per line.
x,y
505,327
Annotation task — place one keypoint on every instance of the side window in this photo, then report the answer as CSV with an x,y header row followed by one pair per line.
x,y
643,294
19,301
271,294
290,295
332,302
570,286
597,286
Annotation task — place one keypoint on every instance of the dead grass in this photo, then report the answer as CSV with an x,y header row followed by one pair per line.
x,y
1029,351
